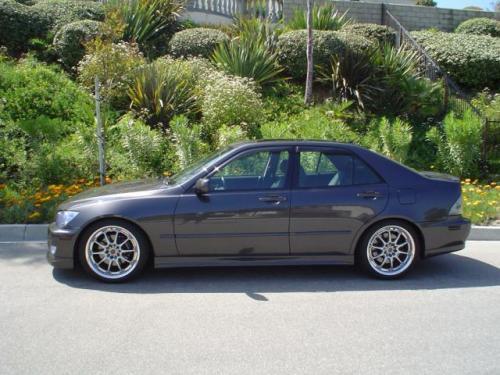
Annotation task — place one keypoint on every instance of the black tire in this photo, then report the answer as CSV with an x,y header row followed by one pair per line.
x,y
382,258
137,259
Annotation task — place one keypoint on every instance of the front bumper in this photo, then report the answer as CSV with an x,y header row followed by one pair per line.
x,y
61,245
445,236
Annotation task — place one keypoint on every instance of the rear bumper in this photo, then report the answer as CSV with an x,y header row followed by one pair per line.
x,y
61,244
445,236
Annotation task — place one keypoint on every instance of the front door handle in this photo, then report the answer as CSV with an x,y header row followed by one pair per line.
x,y
272,198
369,194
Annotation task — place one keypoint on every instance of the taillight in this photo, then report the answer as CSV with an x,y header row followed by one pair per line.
x,y
456,209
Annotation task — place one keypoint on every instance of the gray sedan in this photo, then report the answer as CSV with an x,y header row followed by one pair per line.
x,y
265,203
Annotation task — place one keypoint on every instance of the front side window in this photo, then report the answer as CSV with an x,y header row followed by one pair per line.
x,y
259,170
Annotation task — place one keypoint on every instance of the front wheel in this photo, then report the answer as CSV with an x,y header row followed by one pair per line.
x,y
113,251
389,250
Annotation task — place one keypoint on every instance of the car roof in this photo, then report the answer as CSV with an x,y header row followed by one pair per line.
x,y
290,142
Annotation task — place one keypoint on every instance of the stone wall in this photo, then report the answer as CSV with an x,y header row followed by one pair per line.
x,y
411,17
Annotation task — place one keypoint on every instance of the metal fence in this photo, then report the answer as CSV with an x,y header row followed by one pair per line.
x,y
455,98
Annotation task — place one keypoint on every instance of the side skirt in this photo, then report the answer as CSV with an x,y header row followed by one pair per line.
x,y
248,261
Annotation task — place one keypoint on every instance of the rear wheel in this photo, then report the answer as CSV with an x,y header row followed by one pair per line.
x,y
389,249
113,251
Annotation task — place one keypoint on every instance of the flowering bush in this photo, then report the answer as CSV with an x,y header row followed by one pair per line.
x,y
114,64
229,100
38,206
481,202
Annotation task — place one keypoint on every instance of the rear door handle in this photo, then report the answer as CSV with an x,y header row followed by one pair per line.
x,y
272,198
370,194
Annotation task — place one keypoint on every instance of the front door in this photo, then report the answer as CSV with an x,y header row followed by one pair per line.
x,y
245,212
334,194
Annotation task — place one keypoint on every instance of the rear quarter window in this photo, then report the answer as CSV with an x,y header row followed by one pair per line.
x,y
364,174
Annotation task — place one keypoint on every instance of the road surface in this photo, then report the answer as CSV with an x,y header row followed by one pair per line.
x,y
444,318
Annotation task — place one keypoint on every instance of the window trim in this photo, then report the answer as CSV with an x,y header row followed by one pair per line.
x,y
271,149
326,149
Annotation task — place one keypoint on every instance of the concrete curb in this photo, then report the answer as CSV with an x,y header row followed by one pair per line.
x,y
38,232
23,232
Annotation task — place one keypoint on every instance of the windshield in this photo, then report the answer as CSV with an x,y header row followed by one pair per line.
x,y
195,168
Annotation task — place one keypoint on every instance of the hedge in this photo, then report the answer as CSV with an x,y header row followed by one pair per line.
x,y
292,48
62,12
70,39
376,33
480,26
472,60
196,42
19,23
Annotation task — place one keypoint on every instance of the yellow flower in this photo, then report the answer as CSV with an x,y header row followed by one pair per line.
x,y
467,180
34,215
493,184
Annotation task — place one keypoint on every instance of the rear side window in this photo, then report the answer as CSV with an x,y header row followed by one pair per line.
x,y
363,174
319,169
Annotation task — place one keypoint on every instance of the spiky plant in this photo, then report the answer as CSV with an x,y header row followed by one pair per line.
x,y
143,21
246,57
324,18
161,91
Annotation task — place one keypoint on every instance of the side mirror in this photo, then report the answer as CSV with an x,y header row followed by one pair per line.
x,y
201,186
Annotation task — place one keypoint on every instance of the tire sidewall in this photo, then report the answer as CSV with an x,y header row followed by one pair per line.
x,y
363,254
138,234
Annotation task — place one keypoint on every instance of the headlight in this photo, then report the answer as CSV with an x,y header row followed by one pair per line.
x,y
63,218
456,209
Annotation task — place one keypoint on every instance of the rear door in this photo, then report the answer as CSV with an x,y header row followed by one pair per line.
x,y
334,193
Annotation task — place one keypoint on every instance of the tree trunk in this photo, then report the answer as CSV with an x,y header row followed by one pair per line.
x,y
309,53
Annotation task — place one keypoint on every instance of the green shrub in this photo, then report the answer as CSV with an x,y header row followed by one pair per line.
x,y
426,3
458,144
136,150
20,23
70,40
324,18
250,58
149,23
480,26
62,12
318,122
227,135
391,138
187,141
13,152
161,90
196,42
471,60
30,90
115,65
377,33
230,101
292,49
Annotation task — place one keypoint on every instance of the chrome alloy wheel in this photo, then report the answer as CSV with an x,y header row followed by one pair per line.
x,y
112,252
390,250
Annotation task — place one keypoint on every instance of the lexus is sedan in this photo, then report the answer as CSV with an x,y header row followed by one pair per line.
x,y
265,203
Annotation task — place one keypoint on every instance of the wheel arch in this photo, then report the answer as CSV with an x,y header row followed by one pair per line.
x,y
76,248
417,229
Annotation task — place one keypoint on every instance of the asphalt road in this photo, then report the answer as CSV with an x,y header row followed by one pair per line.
x,y
444,318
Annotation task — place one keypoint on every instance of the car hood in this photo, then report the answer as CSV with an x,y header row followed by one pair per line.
x,y
120,190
